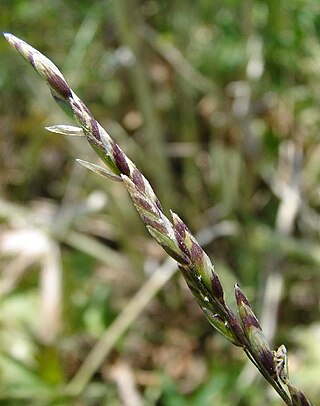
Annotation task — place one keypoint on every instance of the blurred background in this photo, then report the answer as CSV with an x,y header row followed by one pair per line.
x,y
218,104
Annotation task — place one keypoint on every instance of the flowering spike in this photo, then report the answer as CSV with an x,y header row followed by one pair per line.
x,y
174,237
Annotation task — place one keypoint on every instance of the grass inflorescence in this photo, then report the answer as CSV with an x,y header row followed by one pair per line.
x,y
242,329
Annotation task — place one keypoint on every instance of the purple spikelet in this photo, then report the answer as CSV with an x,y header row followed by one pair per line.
x,y
120,159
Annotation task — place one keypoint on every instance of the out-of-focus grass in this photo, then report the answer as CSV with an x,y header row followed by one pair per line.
x,y
234,89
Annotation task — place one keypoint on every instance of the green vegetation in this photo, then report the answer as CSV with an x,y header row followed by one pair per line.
x,y
219,106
